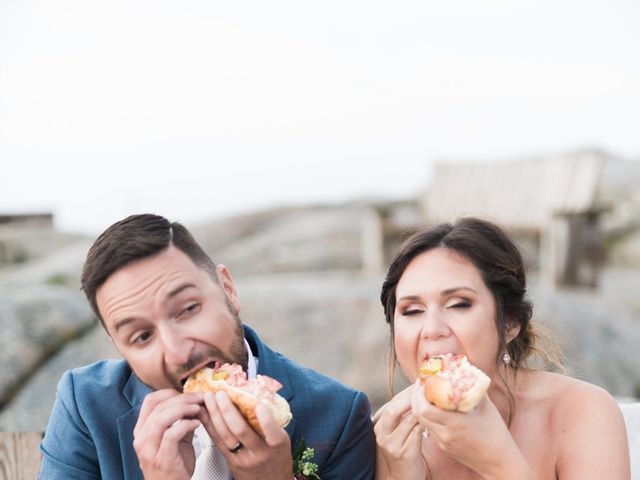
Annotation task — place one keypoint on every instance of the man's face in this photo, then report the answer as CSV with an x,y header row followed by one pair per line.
x,y
168,318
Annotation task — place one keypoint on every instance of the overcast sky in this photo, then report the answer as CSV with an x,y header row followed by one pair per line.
x,y
197,109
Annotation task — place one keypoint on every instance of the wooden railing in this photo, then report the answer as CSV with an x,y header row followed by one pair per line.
x,y
19,455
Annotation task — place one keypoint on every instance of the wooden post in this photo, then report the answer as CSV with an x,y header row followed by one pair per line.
x,y
19,455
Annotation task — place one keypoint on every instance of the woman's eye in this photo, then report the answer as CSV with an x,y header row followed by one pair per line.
x,y
192,308
410,312
461,304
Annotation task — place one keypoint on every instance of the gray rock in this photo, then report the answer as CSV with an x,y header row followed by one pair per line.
x,y
61,267
329,321
301,287
35,321
333,322
597,332
29,410
315,239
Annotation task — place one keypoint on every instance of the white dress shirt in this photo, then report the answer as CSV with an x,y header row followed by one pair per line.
x,y
200,436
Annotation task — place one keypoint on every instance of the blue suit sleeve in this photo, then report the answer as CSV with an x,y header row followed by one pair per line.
x,y
68,452
355,454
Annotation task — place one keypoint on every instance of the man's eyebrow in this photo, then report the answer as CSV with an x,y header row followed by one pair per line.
x,y
121,323
449,291
180,288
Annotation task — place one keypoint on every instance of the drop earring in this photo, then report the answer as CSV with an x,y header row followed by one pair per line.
x,y
506,358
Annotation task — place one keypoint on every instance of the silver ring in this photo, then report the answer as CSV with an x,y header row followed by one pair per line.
x,y
236,448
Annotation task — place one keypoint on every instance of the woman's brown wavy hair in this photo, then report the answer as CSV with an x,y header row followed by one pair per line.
x,y
500,264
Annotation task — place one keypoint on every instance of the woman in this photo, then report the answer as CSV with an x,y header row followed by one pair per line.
x,y
461,289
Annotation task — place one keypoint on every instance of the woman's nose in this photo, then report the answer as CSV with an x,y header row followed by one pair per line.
x,y
434,325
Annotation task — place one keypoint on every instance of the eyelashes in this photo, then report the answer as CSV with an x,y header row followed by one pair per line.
x,y
462,304
141,339
458,305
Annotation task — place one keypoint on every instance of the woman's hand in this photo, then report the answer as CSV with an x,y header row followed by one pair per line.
x,y
399,439
478,439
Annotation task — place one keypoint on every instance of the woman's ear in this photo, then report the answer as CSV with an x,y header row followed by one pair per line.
x,y
513,329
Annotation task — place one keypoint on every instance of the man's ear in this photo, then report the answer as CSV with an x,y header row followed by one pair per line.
x,y
228,287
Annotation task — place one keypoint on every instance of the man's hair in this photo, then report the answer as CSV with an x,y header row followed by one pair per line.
x,y
134,238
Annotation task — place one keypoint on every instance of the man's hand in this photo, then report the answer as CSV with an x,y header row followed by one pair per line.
x,y
258,458
163,434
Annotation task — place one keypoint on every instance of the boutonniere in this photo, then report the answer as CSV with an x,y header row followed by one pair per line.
x,y
303,467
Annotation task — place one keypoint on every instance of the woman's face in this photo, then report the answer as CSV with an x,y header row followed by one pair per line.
x,y
443,305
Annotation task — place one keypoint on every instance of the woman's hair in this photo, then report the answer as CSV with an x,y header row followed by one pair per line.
x,y
500,264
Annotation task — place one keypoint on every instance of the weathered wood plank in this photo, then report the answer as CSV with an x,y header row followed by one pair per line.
x,y
523,194
19,455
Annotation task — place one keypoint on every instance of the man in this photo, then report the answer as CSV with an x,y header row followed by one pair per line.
x,y
170,310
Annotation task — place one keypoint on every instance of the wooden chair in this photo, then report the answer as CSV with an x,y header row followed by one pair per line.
x,y
19,455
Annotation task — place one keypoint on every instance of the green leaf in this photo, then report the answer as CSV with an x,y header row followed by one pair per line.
x,y
301,461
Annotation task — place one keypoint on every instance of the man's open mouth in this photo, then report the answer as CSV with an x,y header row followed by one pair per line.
x,y
213,364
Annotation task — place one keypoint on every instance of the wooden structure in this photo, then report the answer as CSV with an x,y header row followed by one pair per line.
x,y
384,226
19,455
549,203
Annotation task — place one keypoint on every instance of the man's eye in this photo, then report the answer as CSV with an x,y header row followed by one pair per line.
x,y
142,338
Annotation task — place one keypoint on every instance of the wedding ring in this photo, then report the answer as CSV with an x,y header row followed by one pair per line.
x,y
236,448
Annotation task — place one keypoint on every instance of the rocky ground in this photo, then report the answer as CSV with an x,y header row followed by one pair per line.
x,y
302,289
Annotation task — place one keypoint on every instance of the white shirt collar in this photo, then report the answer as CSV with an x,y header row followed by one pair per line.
x,y
252,362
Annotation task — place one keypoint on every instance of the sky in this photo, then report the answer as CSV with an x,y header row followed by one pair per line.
x,y
200,109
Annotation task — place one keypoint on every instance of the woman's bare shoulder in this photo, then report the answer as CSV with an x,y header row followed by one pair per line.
x,y
565,392
569,405
575,407
559,385
584,424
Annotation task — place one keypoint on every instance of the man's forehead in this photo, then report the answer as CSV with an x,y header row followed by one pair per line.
x,y
152,281
168,260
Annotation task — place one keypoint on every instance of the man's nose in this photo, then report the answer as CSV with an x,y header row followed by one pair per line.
x,y
176,346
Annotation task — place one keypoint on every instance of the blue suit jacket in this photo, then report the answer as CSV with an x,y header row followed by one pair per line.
x,y
90,430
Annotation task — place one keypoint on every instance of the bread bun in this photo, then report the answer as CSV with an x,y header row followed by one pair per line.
x,y
245,394
452,383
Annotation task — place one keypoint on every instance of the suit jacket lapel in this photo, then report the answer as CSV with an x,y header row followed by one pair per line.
x,y
269,364
134,391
